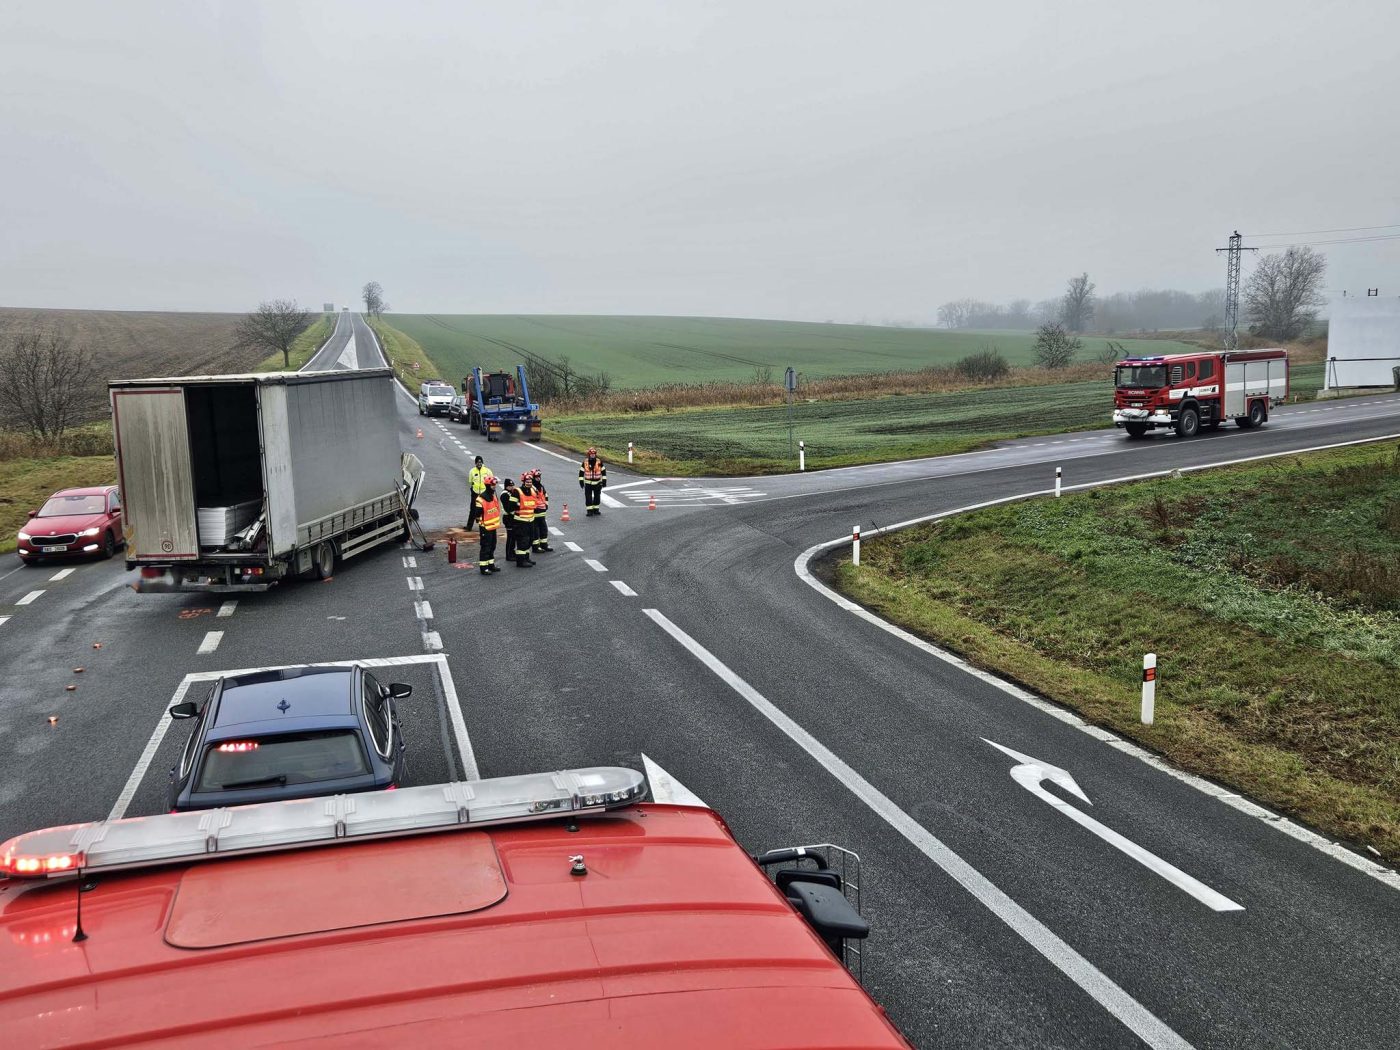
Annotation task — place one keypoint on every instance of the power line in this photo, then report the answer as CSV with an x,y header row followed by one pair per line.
x,y
1343,229
1339,240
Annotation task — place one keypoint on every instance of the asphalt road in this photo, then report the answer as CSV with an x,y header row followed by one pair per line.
x,y
685,633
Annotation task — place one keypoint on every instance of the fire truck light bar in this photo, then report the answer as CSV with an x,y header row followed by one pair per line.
x,y
176,838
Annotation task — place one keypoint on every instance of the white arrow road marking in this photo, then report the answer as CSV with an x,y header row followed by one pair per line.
x,y
1032,771
666,788
347,358
3,619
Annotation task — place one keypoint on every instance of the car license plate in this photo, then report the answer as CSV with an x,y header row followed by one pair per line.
x,y
52,550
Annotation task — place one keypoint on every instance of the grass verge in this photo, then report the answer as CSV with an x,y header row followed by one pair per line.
x,y
303,347
1277,658
404,354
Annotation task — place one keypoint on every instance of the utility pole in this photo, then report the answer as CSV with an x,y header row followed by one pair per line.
x,y
1232,286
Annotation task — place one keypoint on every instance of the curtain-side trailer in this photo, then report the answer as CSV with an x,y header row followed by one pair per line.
x,y
232,483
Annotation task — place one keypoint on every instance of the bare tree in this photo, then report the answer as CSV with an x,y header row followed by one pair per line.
x,y
1054,347
48,384
373,296
957,314
1282,291
272,328
1112,352
1077,306
763,375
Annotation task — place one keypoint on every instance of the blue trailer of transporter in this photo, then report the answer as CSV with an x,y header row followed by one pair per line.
x,y
498,402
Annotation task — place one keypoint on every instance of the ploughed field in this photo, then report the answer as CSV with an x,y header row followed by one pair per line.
x,y
1270,593
641,352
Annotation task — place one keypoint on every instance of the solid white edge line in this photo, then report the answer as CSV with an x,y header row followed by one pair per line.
x,y
595,565
1136,1017
666,789
210,643
1282,823
449,688
623,588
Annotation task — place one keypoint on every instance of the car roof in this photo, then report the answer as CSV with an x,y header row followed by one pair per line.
x,y
91,490
672,938
309,693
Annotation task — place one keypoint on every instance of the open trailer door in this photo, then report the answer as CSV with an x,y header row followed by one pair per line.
x,y
151,429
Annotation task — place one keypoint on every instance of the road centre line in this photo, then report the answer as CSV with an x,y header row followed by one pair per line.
x,y
226,609
415,583
29,597
573,546
596,566
555,532
210,643
410,562
1136,1017
432,640
423,610
62,574
1244,805
624,589
449,688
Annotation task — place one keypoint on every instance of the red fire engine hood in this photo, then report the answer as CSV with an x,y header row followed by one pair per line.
x,y
673,938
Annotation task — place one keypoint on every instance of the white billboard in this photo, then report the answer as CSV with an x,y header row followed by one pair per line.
x,y
1363,341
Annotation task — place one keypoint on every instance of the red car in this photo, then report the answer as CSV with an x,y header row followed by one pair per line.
x,y
74,521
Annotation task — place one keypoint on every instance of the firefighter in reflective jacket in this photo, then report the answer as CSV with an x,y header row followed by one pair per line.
x,y
510,504
524,523
487,509
592,478
476,483
541,507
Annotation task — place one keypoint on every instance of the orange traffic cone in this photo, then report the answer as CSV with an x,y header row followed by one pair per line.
x,y
420,433
652,504
565,516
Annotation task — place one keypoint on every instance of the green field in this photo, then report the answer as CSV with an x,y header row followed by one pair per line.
x,y
639,352
1277,656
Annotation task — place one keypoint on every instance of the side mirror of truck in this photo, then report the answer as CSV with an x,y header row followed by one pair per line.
x,y
400,691
184,709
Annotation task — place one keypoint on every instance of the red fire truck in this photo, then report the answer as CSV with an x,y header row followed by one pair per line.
x,y
548,909
1185,392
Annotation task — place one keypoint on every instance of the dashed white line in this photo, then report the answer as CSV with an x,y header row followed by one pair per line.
x,y
555,532
210,643
29,597
596,566
410,562
573,546
432,640
226,609
422,610
623,588
1136,1017
415,583
62,574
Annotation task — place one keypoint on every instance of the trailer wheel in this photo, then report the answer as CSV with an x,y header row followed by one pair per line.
x,y
323,560
1188,423
1135,430
1257,415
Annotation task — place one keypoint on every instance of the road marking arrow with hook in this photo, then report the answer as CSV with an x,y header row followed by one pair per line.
x,y
1031,772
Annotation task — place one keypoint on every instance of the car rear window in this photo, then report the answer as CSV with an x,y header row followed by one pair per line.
x,y
302,758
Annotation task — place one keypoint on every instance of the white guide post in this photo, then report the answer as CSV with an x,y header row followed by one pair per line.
x,y
1149,688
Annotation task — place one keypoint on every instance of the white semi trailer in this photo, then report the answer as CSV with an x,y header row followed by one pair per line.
x,y
232,483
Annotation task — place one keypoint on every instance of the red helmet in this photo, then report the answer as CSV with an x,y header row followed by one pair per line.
x,y
592,453
525,478
535,473
490,479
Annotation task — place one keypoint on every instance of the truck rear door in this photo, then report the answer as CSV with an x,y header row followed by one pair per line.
x,y
153,461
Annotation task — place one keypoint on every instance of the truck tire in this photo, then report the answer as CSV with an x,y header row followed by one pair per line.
x,y
1135,430
1188,423
323,560
1257,415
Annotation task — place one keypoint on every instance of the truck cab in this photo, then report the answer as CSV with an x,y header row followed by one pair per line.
x,y
1185,392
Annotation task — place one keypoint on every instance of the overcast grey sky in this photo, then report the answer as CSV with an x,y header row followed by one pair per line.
x,y
803,160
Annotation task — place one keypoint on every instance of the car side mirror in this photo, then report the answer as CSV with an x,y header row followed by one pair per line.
x,y
33,513
184,709
399,691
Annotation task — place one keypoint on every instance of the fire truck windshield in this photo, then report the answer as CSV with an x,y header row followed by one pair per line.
x,y
1145,377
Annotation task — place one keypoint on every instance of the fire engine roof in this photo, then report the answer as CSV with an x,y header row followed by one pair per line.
x,y
672,938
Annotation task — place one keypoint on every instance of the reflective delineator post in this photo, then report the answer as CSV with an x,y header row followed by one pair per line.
x,y
855,545
1057,482
629,452
802,455
1149,688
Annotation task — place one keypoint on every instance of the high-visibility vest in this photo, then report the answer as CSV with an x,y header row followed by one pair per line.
x,y
491,514
477,479
541,500
593,473
526,513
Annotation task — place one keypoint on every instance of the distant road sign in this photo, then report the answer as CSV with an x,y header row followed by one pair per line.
x,y
790,380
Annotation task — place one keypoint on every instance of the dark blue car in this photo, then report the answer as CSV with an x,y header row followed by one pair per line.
x,y
290,733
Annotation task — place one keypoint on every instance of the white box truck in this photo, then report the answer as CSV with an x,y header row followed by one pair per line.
x,y
232,483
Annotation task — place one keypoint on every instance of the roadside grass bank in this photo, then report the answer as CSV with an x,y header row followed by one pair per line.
x,y
404,352
31,471
1269,592
303,347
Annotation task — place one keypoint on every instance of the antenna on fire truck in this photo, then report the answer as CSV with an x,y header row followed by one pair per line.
x,y
1232,286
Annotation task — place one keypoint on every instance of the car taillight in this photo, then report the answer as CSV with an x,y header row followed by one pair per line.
x,y
238,746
